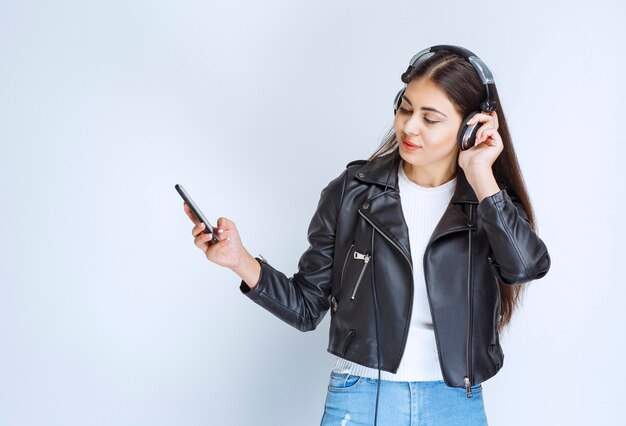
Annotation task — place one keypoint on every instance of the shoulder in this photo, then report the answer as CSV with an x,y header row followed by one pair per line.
x,y
355,162
350,170
353,167
336,188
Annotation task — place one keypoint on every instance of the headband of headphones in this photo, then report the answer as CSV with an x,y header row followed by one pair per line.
x,y
489,104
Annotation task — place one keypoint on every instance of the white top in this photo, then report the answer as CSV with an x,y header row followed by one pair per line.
x,y
422,208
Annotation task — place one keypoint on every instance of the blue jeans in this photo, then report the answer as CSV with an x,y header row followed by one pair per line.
x,y
351,400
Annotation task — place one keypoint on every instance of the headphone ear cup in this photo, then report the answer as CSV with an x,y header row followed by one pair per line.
x,y
466,137
398,100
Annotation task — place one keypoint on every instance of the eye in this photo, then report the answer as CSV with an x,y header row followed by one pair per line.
x,y
406,111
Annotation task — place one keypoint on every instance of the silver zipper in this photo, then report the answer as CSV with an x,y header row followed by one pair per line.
x,y
361,256
469,308
468,386
390,240
365,258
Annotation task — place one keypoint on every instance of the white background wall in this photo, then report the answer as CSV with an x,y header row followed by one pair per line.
x,y
109,315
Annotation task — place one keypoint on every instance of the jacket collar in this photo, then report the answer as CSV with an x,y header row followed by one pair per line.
x,y
384,171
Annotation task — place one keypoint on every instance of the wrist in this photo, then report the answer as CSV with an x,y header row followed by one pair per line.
x,y
478,174
248,269
483,183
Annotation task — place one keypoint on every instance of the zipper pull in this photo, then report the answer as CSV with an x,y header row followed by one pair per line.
x,y
365,258
361,256
262,258
468,386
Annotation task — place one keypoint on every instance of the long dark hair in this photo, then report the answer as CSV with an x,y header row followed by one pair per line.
x,y
458,79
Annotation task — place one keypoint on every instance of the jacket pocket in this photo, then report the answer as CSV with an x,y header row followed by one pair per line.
x,y
345,263
347,340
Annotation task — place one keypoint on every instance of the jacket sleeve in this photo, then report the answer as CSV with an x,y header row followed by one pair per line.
x,y
518,254
303,299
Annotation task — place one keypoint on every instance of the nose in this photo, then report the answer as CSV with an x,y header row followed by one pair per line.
x,y
411,126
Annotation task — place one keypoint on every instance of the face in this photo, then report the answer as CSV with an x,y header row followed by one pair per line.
x,y
428,120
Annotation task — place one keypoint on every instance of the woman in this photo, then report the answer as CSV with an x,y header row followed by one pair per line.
x,y
419,253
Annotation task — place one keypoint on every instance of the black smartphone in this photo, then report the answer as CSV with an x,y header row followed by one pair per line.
x,y
197,213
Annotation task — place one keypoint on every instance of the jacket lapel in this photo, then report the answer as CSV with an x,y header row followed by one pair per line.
x,y
454,218
384,209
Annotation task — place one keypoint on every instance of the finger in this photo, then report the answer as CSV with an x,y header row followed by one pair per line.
x,y
202,241
481,131
215,246
190,214
224,225
483,136
480,117
196,230
488,134
477,118
495,119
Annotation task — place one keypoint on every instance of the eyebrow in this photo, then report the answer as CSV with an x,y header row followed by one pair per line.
x,y
424,108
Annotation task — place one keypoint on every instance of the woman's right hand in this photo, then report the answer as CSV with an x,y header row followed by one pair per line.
x,y
229,252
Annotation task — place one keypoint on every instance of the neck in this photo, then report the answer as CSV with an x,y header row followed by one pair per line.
x,y
430,176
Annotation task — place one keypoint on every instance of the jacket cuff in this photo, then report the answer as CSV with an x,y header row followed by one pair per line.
x,y
493,200
257,289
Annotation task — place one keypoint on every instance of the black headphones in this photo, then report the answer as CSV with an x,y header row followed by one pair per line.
x,y
467,134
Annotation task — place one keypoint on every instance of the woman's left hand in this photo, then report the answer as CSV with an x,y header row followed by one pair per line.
x,y
483,154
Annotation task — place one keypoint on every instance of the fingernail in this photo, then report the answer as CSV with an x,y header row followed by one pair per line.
x,y
220,230
201,225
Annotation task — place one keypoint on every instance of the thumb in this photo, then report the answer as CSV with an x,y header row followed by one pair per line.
x,y
225,223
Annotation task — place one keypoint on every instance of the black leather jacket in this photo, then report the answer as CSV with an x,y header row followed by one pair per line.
x,y
360,212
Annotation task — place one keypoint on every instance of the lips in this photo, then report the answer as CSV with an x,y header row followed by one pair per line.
x,y
410,145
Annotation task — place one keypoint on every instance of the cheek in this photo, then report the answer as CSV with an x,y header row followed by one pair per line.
x,y
398,123
441,136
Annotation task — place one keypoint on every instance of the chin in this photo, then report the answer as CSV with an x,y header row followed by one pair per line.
x,y
415,160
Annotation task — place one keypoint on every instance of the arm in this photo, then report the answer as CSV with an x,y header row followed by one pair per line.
x,y
303,300
519,255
